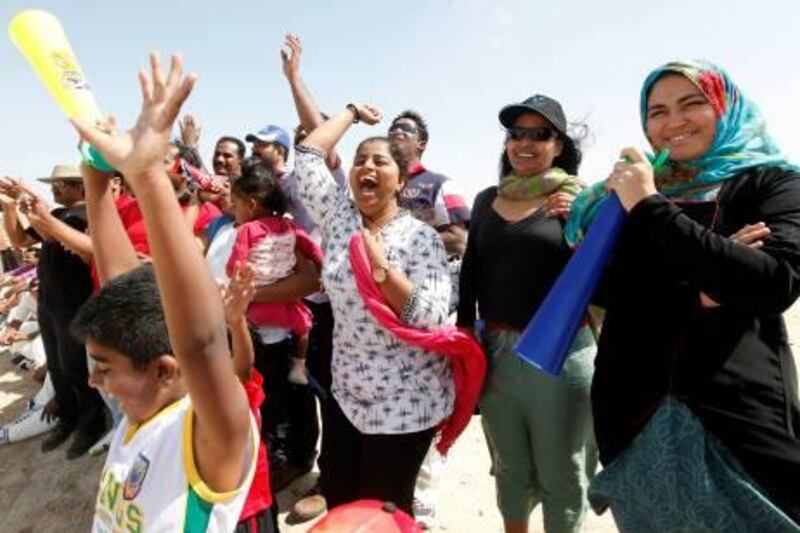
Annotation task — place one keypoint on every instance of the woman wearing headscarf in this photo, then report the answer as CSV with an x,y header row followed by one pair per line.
x,y
695,389
538,428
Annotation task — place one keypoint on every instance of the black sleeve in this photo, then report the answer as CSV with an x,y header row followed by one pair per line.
x,y
468,279
76,218
34,234
602,291
764,281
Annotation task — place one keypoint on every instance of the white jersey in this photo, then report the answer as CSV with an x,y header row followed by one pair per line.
x,y
150,481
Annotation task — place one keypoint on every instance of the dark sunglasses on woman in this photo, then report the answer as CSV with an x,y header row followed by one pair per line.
x,y
541,133
405,127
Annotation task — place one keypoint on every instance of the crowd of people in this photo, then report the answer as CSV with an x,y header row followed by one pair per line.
x,y
188,321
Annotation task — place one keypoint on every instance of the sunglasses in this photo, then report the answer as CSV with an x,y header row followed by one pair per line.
x,y
405,127
60,184
542,133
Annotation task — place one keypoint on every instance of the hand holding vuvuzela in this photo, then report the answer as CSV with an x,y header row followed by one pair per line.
x,y
548,337
139,152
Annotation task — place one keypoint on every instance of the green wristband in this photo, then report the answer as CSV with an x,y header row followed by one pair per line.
x,y
94,158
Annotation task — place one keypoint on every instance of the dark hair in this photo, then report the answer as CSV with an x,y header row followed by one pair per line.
x,y
397,155
298,130
126,316
260,184
241,149
422,126
188,154
570,157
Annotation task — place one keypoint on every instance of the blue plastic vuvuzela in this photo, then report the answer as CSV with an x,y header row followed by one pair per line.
x,y
548,337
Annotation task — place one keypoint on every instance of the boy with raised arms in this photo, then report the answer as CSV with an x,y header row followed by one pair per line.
x,y
183,457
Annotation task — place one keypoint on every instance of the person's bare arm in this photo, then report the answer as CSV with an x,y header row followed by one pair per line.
x,y
191,301
236,298
454,237
45,223
303,282
113,251
307,111
16,234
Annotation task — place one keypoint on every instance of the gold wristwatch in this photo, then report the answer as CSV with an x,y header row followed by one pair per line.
x,y
380,273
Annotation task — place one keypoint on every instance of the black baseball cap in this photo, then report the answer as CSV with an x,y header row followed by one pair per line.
x,y
538,103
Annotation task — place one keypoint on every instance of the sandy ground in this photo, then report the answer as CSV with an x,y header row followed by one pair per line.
x,y
45,492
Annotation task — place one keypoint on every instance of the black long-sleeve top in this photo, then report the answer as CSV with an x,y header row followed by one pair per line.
x,y
731,364
508,267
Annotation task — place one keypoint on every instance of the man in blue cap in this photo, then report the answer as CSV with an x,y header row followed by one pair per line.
x,y
271,144
289,413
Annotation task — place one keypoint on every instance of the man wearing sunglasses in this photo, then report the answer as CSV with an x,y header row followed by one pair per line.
x,y
427,194
65,284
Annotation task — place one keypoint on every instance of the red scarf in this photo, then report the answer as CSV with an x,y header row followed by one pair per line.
x,y
467,361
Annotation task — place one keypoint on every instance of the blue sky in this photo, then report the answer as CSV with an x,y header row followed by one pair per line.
x,y
456,61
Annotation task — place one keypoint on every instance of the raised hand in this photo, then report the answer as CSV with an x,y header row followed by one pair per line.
x,y
290,56
11,187
35,207
139,152
190,130
369,114
238,294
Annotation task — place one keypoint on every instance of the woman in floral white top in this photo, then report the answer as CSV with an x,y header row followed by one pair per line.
x,y
388,397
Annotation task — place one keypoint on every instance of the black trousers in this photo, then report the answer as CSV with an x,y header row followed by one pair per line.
x,y
79,405
320,353
320,345
356,465
289,424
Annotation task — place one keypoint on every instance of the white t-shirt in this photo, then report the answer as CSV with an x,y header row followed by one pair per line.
x,y
219,250
150,480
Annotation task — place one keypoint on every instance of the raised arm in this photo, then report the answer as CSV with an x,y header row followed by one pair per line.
x,y
45,223
113,251
236,298
319,192
303,282
328,134
307,111
191,301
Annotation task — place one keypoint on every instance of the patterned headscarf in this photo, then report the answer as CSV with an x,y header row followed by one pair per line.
x,y
741,141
